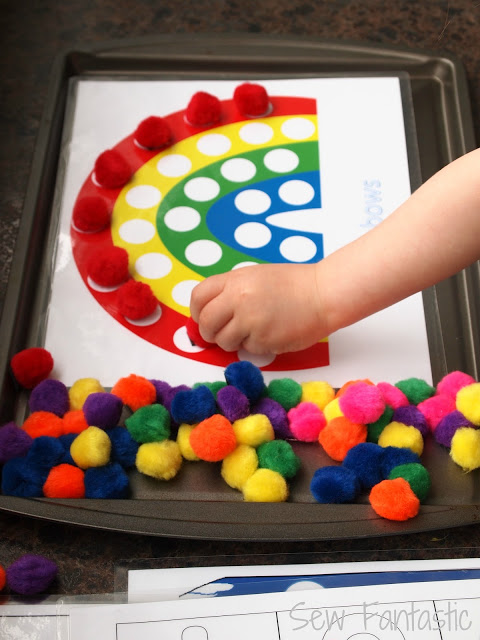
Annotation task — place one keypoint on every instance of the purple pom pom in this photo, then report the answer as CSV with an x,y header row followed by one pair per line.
x,y
233,403
50,395
102,410
31,574
14,442
277,416
412,417
447,427
162,388
170,394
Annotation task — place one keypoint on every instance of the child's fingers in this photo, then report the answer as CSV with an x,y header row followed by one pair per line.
x,y
215,315
231,336
204,292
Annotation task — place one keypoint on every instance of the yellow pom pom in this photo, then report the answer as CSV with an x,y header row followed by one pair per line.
x,y
239,466
161,460
91,448
320,393
468,402
81,389
265,485
332,410
253,430
397,434
465,449
183,441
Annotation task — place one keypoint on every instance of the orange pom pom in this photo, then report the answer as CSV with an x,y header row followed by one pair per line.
x,y
213,439
394,500
340,435
64,481
74,422
43,423
3,578
344,387
135,391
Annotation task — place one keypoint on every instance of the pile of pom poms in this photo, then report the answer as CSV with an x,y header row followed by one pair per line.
x,y
377,432
81,442
29,575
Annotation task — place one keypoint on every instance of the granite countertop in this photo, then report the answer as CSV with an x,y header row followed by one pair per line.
x,y
33,34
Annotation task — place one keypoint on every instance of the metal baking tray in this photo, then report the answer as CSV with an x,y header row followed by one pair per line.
x,y
198,504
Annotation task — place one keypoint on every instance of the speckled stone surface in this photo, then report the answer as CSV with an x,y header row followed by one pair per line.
x,y
33,34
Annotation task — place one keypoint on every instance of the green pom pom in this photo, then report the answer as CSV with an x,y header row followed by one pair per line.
x,y
279,456
415,389
149,424
286,392
417,477
213,386
376,428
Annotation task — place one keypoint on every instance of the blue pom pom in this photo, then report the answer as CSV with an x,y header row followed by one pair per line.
x,y
21,478
334,485
46,452
66,441
395,456
109,481
193,406
247,377
124,447
365,460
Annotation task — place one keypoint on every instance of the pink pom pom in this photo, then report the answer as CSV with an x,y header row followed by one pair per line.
x,y
362,403
451,384
306,421
392,395
436,408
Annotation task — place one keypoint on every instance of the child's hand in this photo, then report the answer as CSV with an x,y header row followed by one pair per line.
x,y
271,308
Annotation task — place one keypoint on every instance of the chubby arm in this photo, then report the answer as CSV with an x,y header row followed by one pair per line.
x,y
280,308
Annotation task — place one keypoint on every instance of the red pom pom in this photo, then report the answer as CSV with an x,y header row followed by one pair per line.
x,y
153,133
111,170
136,300
91,214
3,578
193,333
203,109
31,366
251,99
109,268
65,481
